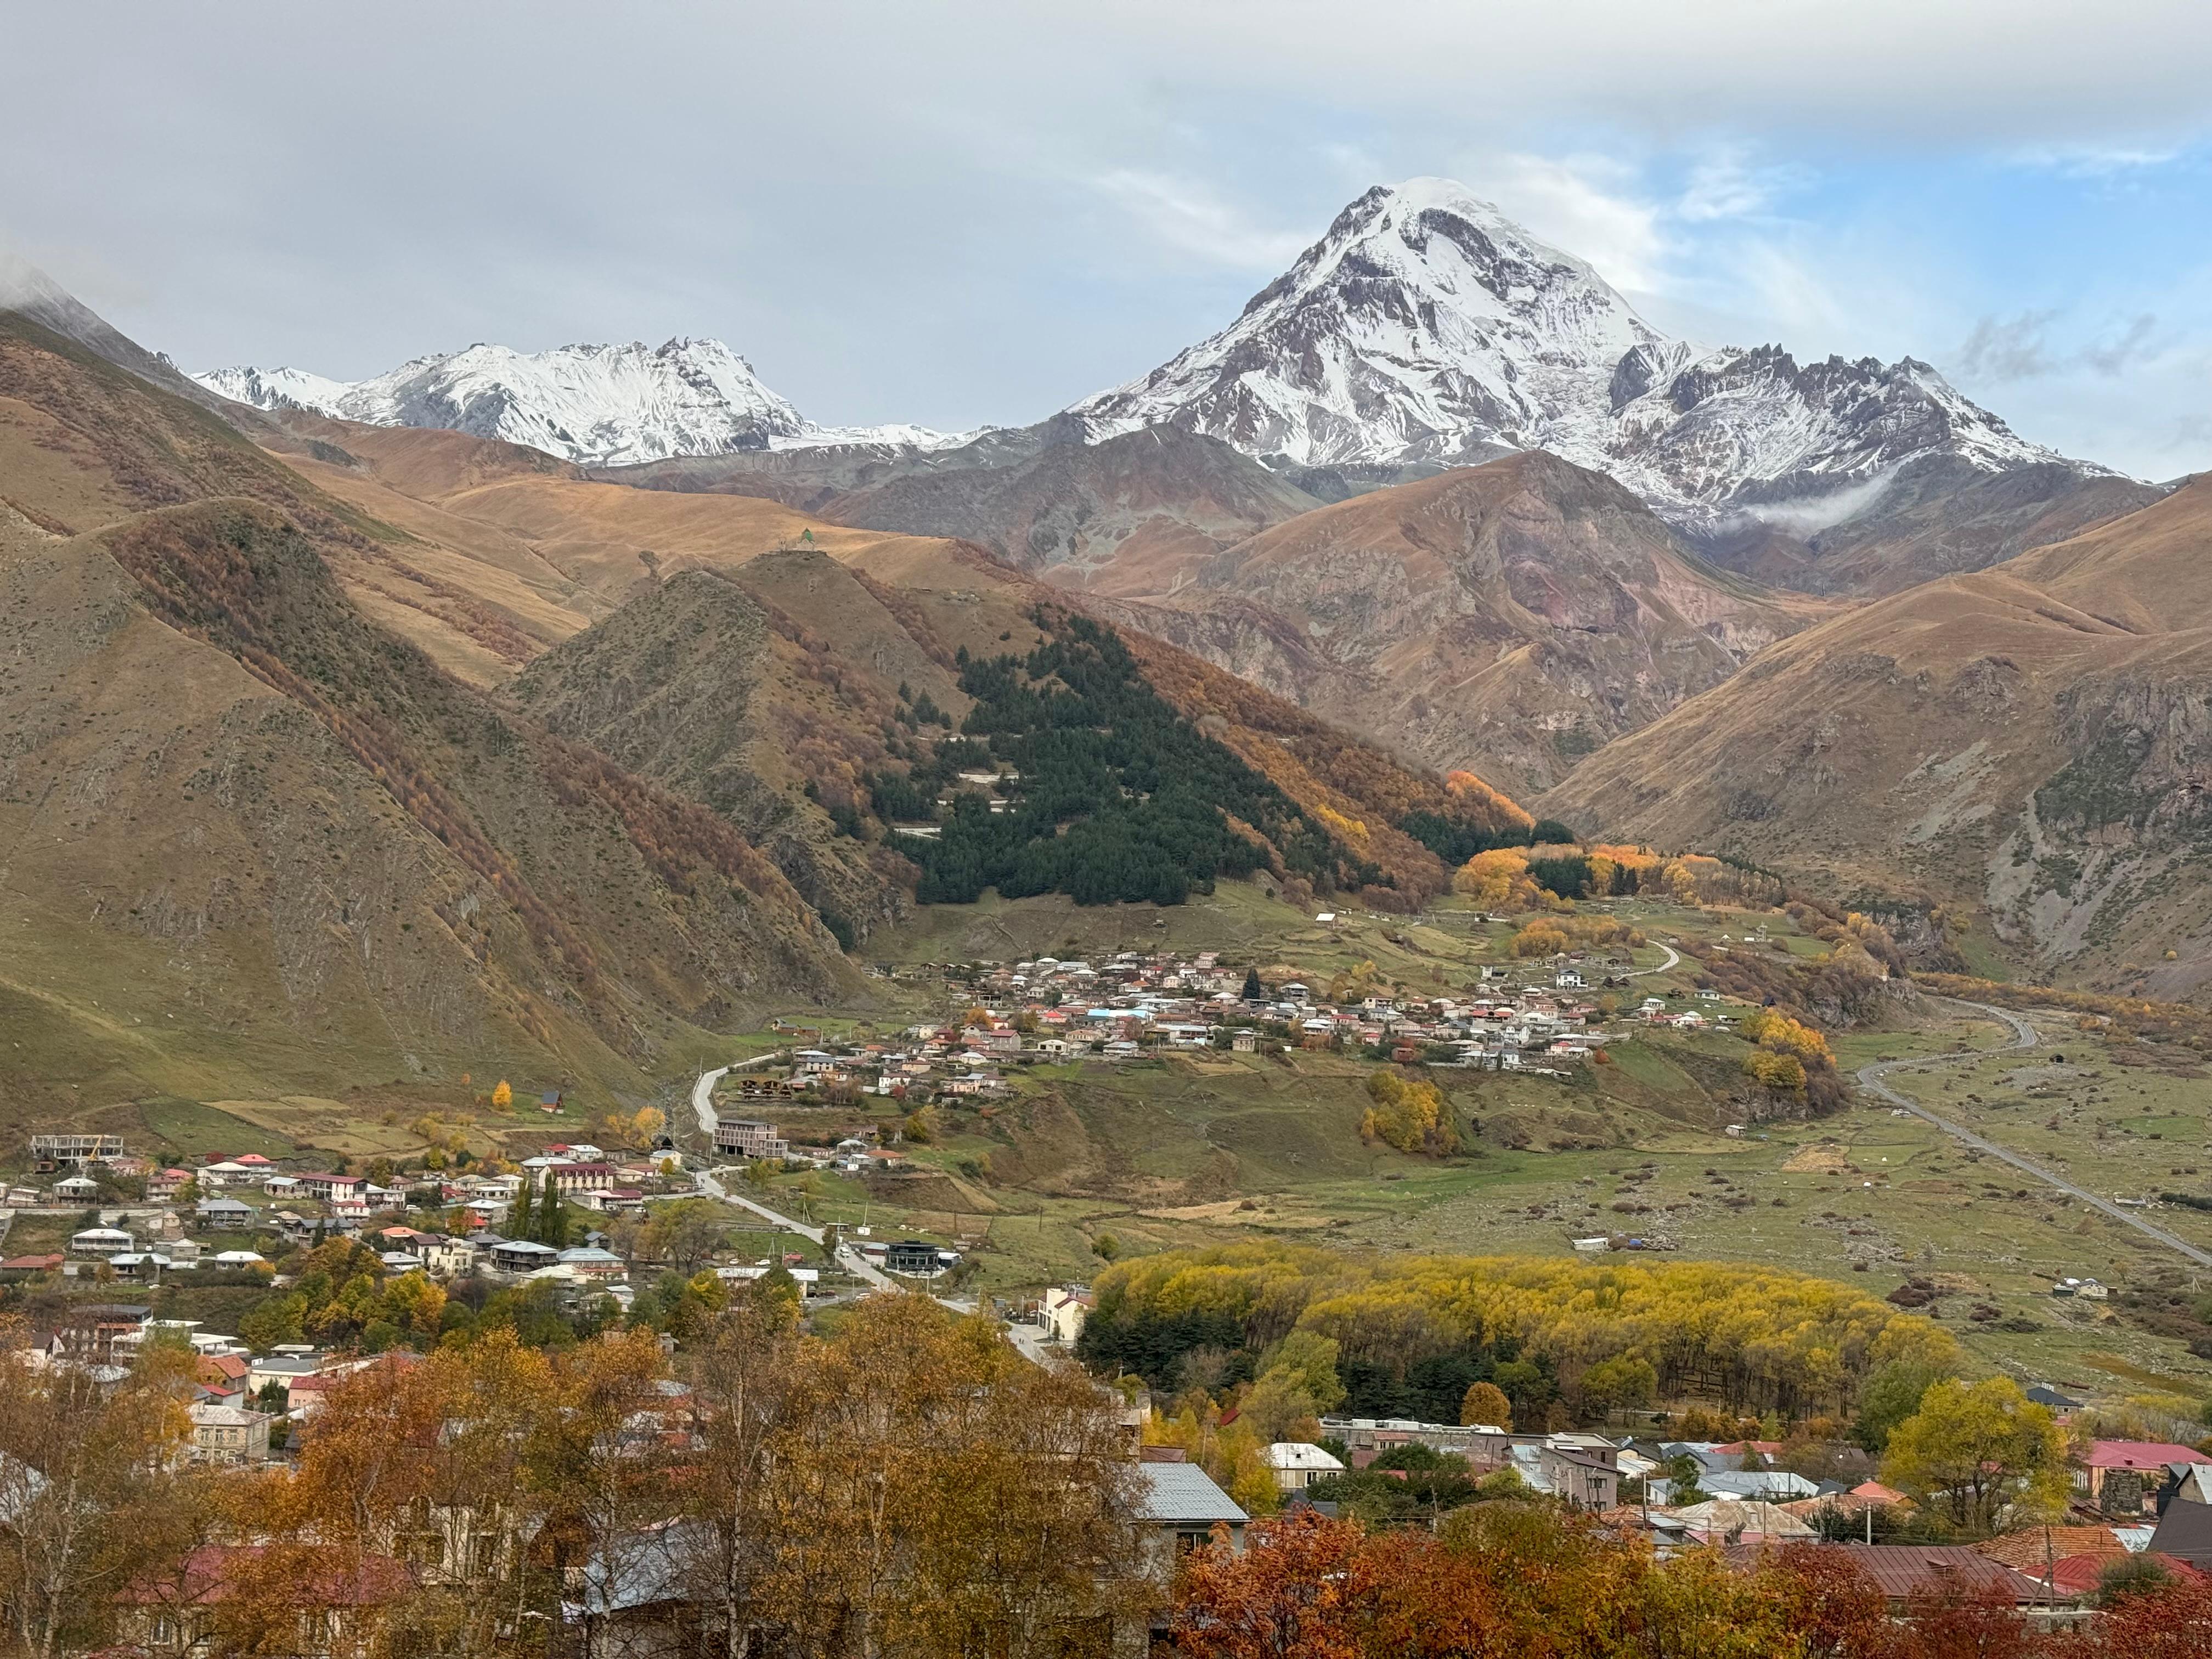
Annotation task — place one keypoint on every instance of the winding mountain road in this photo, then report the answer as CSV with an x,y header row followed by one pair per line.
x,y
702,1107
1673,956
1871,1078
1024,1338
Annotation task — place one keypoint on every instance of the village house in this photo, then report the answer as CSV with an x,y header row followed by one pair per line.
x,y
2121,1477
229,1434
323,1185
176,1617
1584,1469
89,1335
1063,1311
1297,1465
516,1257
163,1185
285,1364
1178,1506
100,1242
589,1261
219,1214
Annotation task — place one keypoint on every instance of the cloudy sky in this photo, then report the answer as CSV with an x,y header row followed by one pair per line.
x,y
956,214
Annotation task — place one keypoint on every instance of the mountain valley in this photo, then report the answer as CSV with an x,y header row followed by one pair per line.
x,y
1439,503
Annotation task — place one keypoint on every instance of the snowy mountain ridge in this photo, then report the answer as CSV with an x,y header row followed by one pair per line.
x,y
1426,326
1423,329
605,406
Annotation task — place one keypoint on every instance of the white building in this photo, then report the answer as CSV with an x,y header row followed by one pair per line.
x,y
1298,1465
1064,1311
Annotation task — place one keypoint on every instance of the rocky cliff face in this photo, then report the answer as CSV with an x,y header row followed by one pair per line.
x,y
1130,516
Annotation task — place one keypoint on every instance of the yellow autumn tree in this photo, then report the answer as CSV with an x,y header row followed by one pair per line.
x,y
1540,938
1775,1070
1351,831
1603,872
1486,1405
1773,1029
503,1096
1410,1116
1498,880
1230,1453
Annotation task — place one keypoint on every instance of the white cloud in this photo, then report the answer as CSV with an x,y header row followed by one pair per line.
x,y
1190,219
1727,185
2009,348
1588,205
2093,161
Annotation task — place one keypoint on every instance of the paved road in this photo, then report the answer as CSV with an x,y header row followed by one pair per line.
x,y
847,1258
1673,956
703,1102
2023,1036
702,1092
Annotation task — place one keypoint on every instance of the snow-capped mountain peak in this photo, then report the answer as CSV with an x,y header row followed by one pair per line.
x,y
605,406
1426,326
278,388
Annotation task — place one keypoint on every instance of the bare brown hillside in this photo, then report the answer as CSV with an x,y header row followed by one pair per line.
x,y
2031,742
1511,617
850,614
254,839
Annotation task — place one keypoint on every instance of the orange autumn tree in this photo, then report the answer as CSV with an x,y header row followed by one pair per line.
x,y
1494,1579
1304,1588
1479,799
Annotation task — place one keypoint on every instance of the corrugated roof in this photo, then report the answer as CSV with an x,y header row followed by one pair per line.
x,y
2139,1454
1903,1570
2027,1551
1176,1493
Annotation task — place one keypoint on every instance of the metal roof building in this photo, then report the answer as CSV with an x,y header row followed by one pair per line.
x,y
1183,1495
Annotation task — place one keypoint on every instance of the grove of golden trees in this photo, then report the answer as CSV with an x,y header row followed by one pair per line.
x,y
1413,1334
